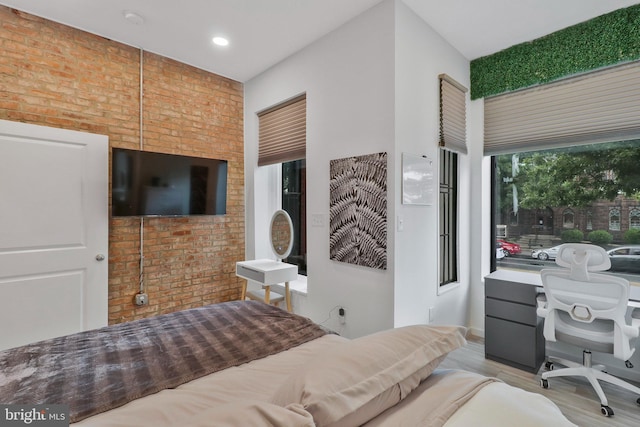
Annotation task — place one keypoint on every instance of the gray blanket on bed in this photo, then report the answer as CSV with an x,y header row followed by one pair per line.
x,y
94,371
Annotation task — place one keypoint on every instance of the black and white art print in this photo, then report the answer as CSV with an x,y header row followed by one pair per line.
x,y
358,210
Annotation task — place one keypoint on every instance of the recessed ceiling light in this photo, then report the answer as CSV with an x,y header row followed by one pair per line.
x,y
220,41
133,17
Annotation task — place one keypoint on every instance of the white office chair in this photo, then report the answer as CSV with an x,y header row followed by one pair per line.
x,y
587,310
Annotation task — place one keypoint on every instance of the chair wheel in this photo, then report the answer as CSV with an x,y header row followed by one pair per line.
x,y
544,383
606,411
548,366
638,401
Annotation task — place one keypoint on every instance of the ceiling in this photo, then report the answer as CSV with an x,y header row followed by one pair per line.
x,y
261,33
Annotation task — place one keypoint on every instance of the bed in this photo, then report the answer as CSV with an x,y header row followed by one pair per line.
x,y
252,364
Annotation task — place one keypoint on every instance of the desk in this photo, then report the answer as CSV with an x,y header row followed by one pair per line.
x,y
268,272
513,331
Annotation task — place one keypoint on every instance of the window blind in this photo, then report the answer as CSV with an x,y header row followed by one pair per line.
x,y
453,113
597,107
282,135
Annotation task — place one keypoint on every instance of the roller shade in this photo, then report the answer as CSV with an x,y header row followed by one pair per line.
x,y
597,107
453,115
282,135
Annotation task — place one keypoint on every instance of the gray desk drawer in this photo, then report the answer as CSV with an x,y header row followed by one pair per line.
x,y
512,342
511,311
513,331
511,291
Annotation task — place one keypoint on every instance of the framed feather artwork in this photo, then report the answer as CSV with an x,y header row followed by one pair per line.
x,y
358,210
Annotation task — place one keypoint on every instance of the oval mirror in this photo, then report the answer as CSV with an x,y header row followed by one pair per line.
x,y
281,233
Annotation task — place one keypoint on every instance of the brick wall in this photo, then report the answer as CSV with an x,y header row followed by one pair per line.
x,y
54,75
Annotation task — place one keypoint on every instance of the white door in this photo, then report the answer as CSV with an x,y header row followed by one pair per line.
x,y
53,232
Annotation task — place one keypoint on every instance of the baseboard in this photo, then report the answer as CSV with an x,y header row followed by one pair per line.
x,y
476,332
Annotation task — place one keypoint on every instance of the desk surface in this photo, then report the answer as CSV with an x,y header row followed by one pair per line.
x,y
267,265
535,280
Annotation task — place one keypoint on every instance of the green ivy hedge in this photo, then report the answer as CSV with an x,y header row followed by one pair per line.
x,y
605,40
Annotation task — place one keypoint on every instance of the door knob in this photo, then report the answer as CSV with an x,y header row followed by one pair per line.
x,y
99,257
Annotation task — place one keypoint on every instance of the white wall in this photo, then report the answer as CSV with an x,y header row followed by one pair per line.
x,y
372,86
421,55
348,79
480,232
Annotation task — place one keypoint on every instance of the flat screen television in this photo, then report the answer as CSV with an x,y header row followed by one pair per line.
x,y
155,184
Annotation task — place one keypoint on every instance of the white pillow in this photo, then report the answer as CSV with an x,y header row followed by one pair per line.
x,y
359,379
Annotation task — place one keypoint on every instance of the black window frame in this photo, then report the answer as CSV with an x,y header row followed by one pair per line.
x,y
448,219
294,202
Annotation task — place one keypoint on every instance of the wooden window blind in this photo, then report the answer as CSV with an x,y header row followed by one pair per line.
x,y
453,113
597,107
282,135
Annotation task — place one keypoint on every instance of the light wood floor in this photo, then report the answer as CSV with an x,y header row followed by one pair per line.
x,y
574,396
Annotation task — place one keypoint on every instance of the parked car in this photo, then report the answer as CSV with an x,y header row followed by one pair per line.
x,y
509,248
625,258
545,254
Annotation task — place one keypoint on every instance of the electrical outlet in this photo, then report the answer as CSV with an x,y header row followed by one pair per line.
x,y
317,220
142,299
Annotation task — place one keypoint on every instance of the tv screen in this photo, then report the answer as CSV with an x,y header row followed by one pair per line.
x,y
155,184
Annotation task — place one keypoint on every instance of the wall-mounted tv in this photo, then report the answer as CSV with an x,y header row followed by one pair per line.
x,y
155,184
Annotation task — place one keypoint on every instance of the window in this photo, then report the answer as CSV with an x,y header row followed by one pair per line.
x,y
448,217
453,140
634,218
282,140
623,251
567,218
294,201
563,137
583,193
614,219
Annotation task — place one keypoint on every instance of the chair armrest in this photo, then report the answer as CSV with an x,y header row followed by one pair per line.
x,y
541,301
633,330
635,318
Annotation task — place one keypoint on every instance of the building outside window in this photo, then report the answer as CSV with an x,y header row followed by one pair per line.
x,y
584,193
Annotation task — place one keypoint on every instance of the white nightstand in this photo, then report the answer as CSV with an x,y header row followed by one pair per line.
x,y
267,272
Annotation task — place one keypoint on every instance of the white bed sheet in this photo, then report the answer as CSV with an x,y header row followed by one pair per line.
x,y
499,404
